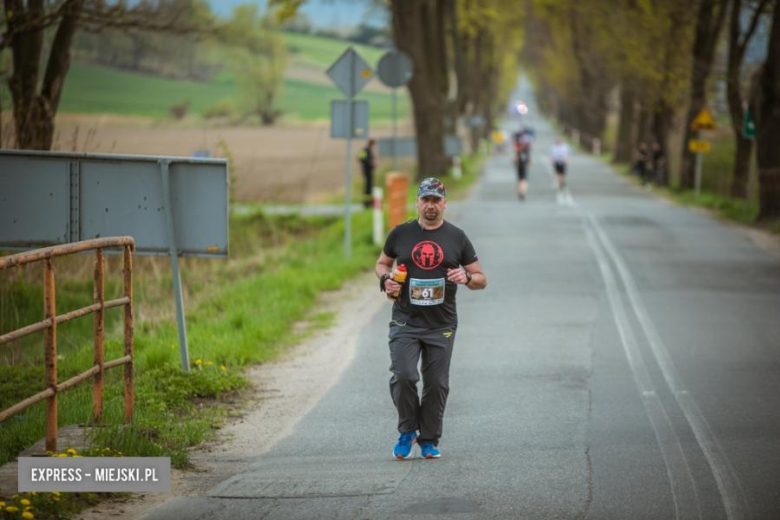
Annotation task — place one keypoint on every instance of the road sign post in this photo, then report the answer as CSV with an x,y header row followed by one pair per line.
x,y
395,70
350,73
698,176
698,147
702,121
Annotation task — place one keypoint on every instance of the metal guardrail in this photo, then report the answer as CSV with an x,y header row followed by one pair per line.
x,y
51,320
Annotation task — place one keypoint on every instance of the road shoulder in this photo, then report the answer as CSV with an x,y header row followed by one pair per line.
x,y
284,392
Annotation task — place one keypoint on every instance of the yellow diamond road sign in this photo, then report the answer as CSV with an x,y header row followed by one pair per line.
x,y
350,72
699,146
703,121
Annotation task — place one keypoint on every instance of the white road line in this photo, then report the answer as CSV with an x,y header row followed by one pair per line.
x,y
728,484
684,494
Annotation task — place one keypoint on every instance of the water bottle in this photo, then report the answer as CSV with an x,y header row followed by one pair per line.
x,y
399,275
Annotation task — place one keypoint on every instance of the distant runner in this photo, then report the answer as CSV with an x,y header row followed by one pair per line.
x,y
522,162
559,153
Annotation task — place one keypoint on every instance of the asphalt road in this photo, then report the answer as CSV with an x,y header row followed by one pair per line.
x,y
623,363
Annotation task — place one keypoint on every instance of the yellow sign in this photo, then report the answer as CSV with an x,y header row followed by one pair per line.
x,y
699,146
704,121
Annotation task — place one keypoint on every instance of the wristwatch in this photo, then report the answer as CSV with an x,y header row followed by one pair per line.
x,y
469,276
382,279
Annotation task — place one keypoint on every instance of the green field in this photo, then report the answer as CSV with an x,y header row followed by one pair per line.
x,y
322,52
95,89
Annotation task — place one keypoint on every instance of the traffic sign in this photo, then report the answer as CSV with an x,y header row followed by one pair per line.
x,y
340,119
475,121
749,127
395,68
703,121
699,146
350,72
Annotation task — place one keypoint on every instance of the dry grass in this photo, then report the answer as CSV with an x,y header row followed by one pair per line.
x,y
298,163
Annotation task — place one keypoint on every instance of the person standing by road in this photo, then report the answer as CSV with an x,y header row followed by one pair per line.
x,y
439,257
559,153
368,164
642,162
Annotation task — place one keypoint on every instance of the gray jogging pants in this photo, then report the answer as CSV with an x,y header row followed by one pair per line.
x,y
407,344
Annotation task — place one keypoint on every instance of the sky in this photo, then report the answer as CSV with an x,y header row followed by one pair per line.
x,y
334,14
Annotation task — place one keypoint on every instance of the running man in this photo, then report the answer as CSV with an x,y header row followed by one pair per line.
x,y
439,257
559,153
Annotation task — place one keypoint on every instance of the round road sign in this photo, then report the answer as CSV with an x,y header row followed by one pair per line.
x,y
395,69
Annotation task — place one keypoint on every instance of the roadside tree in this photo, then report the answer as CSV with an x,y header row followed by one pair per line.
x,y
40,35
738,42
765,104
710,17
259,62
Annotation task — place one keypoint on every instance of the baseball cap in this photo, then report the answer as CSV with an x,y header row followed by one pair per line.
x,y
431,186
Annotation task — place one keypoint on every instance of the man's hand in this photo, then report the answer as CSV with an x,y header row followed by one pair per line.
x,y
391,286
457,275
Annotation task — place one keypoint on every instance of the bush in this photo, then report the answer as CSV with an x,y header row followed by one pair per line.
x,y
223,108
180,110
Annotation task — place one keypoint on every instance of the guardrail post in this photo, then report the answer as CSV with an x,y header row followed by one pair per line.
x,y
99,358
50,354
128,282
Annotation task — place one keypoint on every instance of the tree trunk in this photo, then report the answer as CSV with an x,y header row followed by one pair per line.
x,y
662,122
708,24
624,145
418,30
34,113
594,83
739,181
736,55
644,127
23,83
766,103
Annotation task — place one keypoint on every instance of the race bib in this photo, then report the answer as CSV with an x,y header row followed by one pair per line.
x,y
426,292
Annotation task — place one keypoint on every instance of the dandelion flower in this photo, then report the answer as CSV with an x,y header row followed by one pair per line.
x,y
198,361
223,368
209,363
28,515
11,509
24,502
2,504
72,451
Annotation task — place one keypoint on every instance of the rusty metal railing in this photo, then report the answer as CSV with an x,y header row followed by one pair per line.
x,y
51,320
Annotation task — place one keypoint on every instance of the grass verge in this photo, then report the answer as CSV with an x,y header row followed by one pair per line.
x,y
239,313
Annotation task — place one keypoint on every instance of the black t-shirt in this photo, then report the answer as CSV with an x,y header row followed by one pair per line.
x,y
428,298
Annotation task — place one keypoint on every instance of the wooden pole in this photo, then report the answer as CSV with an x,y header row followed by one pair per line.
x,y
50,354
99,299
128,278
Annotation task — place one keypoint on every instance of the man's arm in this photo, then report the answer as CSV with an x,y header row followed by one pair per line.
x,y
478,278
384,266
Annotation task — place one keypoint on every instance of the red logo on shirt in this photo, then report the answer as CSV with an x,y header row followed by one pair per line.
x,y
427,255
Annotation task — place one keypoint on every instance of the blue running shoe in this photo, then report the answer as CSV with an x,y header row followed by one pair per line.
x,y
429,451
403,449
